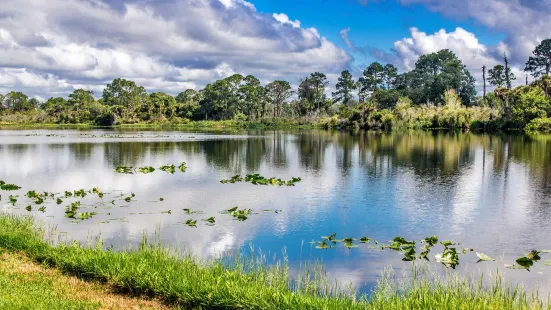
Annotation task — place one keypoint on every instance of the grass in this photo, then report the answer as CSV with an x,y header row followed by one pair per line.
x,y
185,281
267,123
27,285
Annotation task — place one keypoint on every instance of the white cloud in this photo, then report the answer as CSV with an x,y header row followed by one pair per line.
x,y
525,22
284,19
167,45
464,44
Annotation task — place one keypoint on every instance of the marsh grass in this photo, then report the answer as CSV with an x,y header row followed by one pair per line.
x,y
246,282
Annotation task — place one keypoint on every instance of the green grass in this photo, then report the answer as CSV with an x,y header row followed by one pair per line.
x,y
22,292
246,284
268,123
33,290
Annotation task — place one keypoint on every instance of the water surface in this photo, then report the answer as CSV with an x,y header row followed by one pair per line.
x,y
488,192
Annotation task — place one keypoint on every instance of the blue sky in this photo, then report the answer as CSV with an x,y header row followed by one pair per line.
x,y
52,47
377,24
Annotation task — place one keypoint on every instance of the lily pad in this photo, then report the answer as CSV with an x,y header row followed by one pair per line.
x,y
483,257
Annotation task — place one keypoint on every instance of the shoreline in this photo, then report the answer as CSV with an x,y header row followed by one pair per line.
x,y
183,280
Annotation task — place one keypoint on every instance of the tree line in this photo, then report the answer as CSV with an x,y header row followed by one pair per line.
x,y
237,97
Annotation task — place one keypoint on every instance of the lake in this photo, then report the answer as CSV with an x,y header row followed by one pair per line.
x,y
487,192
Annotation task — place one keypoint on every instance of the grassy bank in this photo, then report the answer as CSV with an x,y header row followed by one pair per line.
x,y
27,285
187,125
185,281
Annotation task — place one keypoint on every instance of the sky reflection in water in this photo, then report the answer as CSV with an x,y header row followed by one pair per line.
x,y
488,192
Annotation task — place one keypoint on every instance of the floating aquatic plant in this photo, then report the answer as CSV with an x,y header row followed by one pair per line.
x,y
8,187
238,214
210,220
450,257
80,193
29,208
191,223
13,199
71,210
483,257
257,179
124,170
167,212
42,209
182,167
146,170
188,211
234,179
86,215
323,245
364,240
168,169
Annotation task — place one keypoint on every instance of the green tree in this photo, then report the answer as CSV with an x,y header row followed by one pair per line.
x,y
434,74
345,86
80,101
497,77
187,103
221,100
253,97
161,104
540,63
530,103
17,102
278,92
311,93
385,98
34,103
390,72
124,94
373,77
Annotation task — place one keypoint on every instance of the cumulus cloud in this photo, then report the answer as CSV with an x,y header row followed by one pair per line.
x,y
525,22
164,45
284,19
464,44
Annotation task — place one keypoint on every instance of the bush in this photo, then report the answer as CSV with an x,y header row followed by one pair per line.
x,y
540,124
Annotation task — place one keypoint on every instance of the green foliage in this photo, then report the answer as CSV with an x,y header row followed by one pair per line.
x,y
433,75
540,63
540,124
497,76
529,103
257,179
185,281
311,94
344,87
243,102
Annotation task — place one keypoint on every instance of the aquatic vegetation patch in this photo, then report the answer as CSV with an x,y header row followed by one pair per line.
x,y
168,169
257,179
182,167
146,170
8,187
124,169
191,223
238,214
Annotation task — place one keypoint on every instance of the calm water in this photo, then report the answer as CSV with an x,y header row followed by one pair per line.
x,y
488,192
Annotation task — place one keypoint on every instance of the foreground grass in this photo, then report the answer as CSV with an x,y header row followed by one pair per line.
x,y
245,284
27,285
